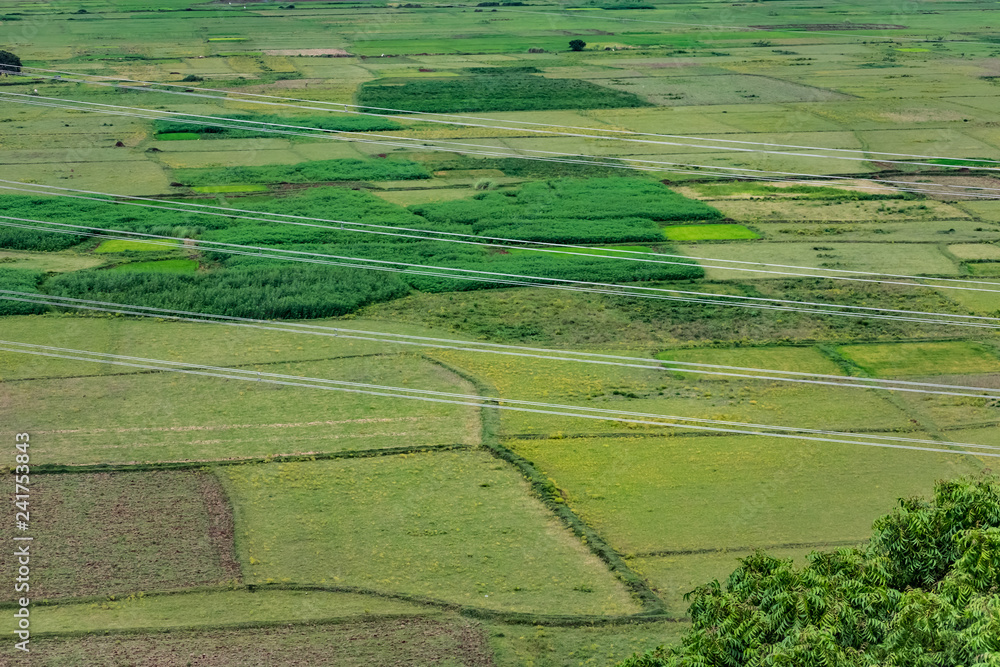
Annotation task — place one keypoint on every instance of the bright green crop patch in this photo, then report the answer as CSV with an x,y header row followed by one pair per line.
x,y
177,136
162,266
121,245
457,526
933,358
708,232
494,89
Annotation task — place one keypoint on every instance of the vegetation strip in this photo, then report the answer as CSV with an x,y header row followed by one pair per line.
x,y
57,468
790,545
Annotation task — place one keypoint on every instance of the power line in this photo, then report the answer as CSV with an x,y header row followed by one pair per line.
x,y
415,233
763,303
343,108
720,426
500,349
546,156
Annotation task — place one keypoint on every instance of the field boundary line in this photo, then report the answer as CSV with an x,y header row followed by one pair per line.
x,y
89,468
549,494
482,613
154,372
721,550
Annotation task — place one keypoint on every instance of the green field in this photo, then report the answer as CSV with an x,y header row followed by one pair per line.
x,y
185,519
922,358
500,551
708,232
120,245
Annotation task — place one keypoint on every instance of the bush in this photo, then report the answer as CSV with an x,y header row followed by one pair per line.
x,y
20,280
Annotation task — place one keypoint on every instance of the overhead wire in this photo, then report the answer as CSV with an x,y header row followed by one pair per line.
x,y
640,164
700,424
409,114
546,354
499,278
496,242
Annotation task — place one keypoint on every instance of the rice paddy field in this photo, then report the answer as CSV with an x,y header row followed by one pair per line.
x,y
364,333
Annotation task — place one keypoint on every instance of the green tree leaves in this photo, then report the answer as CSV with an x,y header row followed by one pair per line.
x,y
925,592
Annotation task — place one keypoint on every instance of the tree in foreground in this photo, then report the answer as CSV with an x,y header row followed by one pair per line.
x,y
9,62
925,592
577,44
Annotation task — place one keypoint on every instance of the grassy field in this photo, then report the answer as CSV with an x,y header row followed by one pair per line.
x,y
649,494
451,526
748,87
922,359
708,232
214,608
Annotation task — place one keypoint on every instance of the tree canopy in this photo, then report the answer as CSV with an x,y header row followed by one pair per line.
x,y
577,44
924,592
9,62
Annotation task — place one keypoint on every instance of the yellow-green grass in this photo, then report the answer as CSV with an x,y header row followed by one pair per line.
x,y
423,196
214,608
161,266
979,303
648,494
67,260
605,646
991,269
926,358
183,341
140,416
720,232
780,358
987,210
121,245
763,211
450,640
228,39
118,533
911,231
456,526
906,259
671,576
668,393
945,413
212,189
987,251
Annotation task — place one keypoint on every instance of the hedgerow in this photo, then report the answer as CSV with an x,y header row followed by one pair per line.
x,y
347,123
307,172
